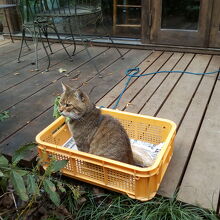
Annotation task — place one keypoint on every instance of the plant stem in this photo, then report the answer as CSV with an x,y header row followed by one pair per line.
x,y
4,194
16,207
32,200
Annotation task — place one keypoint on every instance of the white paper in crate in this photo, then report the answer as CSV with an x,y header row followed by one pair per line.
x,y
144,153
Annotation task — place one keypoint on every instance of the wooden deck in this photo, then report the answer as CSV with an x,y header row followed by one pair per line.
x,y
192,102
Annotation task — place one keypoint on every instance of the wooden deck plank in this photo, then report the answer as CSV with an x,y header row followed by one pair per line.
x,y
26,62
13,54
200,185
180,97
38,82
138,102
19,75
140,83
152,106
9,46
27,135
187,132
81,60
179,100
42,79
43,100
113,94
81,76
105,84
4,41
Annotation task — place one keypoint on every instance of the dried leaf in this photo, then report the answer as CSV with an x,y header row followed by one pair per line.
x,y
81,201
62,70
129,104
84,83
76,77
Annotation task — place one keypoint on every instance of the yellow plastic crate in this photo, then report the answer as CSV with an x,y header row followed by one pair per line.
x,y
136,182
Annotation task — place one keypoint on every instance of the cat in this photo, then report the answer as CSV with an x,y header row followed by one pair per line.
x,y
94,132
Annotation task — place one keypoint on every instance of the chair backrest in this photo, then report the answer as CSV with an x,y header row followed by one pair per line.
x,y
26,9
62,8
92,4
46,7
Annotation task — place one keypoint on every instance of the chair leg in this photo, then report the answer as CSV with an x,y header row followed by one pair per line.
x,y
22,42
46,36
86,47
74,42
60,40
35,40
34,37
110,38
27,44
48,57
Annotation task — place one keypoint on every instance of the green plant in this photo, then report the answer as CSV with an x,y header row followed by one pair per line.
x,y
113,207
30,184
56,113
4,115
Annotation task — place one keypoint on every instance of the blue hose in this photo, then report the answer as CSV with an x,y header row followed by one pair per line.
x,y
136,74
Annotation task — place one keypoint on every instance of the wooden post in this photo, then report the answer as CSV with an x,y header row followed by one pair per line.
x,y
114,16
12,17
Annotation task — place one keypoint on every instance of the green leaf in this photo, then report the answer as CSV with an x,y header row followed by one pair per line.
x,y
60,187
1,174
56,113
18,183
4,183
21,152
3,161
21,172
57,165
4,115
50,188
32,186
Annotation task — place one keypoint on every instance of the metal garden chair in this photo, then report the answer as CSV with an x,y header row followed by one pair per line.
x,y
75,12
53,9
37,28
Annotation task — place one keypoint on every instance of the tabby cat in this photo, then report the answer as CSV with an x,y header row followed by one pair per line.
x,y
94,132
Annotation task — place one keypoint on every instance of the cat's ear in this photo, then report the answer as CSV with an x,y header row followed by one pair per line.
x,y
65,87
80,95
